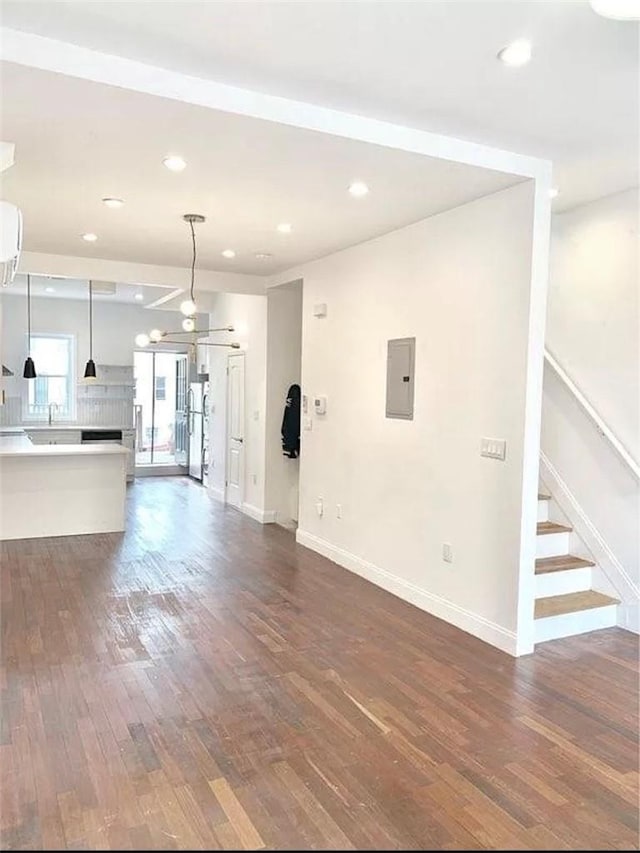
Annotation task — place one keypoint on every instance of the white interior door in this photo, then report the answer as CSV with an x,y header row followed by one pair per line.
x,y
235,430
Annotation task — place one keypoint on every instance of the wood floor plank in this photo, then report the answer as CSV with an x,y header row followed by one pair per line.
x,y
203,682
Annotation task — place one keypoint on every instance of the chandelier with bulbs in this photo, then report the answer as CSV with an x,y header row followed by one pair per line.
x,y
188,307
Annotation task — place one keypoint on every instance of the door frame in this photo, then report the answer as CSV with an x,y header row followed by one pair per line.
x,y
226,426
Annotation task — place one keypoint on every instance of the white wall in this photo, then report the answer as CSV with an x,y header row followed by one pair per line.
x,y
284,365
593,331
248,314
592,321
460,283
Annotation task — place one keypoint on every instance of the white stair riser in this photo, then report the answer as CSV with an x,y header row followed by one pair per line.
x,y
570,624
543,510
559,583
552,545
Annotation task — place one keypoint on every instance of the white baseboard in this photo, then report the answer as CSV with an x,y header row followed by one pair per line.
x,y
264,516
472,623
613,569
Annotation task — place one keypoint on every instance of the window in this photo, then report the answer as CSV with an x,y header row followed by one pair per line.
x,y
53,357
161,387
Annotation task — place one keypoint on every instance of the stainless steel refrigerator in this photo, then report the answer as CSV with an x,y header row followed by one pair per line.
x,y
197,427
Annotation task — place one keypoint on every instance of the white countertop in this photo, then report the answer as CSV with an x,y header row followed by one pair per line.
x,y
35,427
20,445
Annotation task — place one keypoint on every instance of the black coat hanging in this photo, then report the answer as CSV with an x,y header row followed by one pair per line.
x,y
291,423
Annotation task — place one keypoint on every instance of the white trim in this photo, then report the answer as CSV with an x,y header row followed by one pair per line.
x,y
72,266
159,471
216,493
64,58
264,516
540,240
466,620
597,419
602,554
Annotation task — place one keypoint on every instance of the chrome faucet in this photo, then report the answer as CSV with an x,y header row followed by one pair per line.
x,y
51,407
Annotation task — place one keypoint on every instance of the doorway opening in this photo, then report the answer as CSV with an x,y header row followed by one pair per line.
x,y
160,407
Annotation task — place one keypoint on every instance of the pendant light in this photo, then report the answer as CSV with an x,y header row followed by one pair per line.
x,y
90,368
29,371
188,307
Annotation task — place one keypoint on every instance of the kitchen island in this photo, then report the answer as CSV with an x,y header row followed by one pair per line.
x,y
60,489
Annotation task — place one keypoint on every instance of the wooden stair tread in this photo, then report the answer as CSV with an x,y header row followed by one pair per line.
x,y
546,565
573,602
545,527
542,497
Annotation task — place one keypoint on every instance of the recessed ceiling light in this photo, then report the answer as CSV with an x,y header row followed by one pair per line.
x,y
619,10
516,53
49,290
285,228
113,203
358,189
228,253
89,237
139,297
174,163
553,192
263,256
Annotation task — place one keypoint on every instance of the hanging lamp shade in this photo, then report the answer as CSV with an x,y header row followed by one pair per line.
x,y
90,367
29,369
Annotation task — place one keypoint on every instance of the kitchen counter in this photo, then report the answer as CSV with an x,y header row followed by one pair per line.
x,y
60,489
37,426
20,445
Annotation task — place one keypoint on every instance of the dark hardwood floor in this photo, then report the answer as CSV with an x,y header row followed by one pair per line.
x,y
202,682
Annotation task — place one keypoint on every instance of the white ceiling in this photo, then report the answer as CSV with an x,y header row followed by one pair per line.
x,y
429,65
79,141
74,288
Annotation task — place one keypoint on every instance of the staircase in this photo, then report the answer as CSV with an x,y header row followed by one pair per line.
x,y
565,602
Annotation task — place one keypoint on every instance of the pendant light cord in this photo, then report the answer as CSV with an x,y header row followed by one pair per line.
x,y
90,319
193,261
29,312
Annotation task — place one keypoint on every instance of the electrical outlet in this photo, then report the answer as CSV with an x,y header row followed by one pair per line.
x,y
494,448
447,552
338,510
320,507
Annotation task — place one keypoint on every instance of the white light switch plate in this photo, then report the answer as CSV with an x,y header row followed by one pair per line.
x,y
494,448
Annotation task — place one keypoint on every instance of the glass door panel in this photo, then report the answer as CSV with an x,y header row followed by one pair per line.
x,y
164,444
160,408
143,406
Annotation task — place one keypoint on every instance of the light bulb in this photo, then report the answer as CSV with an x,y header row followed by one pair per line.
x,y
358,189
516,53
619,10
188,307
142,340
155,335
188,324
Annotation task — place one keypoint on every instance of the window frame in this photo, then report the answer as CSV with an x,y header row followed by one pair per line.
x,y
69,413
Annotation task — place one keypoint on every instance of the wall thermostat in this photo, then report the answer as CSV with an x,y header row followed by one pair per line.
x,y
320,405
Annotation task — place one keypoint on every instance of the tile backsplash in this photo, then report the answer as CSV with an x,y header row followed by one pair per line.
x,y
90,411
